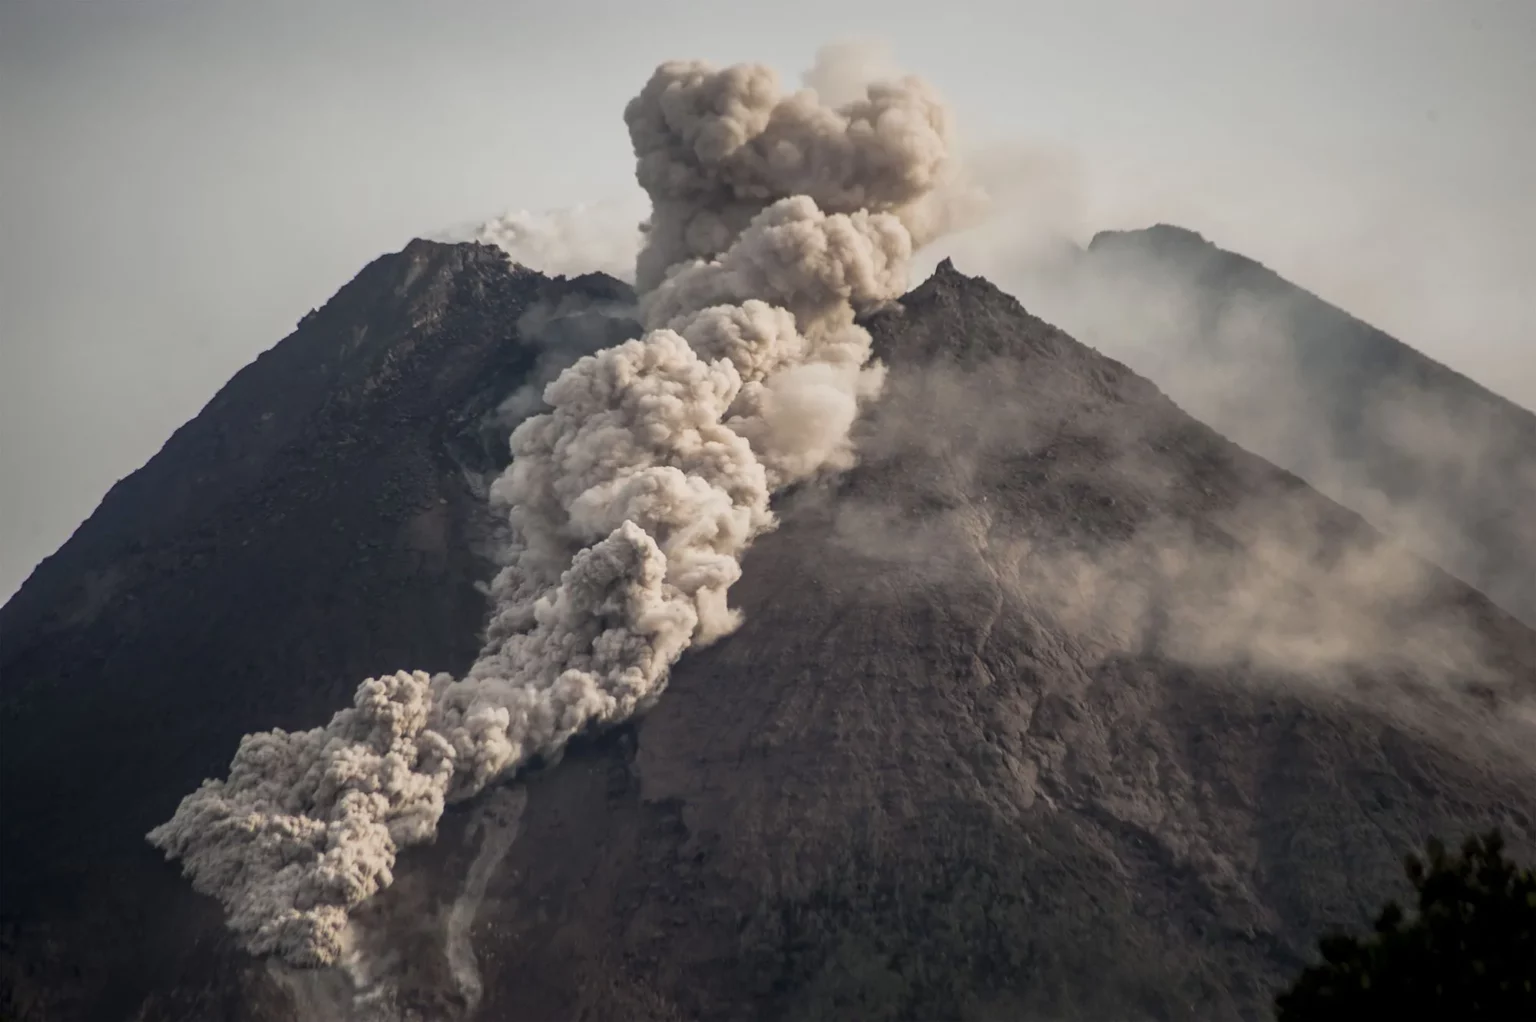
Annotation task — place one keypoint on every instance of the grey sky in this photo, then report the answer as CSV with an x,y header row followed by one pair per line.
x,y
181,182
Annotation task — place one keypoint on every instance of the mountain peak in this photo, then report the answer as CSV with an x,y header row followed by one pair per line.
x,y
1158,235
946,283
1055,704
1419,448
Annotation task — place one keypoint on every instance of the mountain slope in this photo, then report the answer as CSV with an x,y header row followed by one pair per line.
x,y
1059,704
315,523
1417,448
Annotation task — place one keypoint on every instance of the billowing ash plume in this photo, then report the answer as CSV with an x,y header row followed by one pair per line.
x,y
775,220
587,238
716,147
562,333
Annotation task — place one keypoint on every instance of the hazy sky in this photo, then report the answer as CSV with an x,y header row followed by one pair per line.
x,y
182,181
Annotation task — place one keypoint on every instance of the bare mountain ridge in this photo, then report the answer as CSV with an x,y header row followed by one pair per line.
x,y
313,524
992,742
1416,447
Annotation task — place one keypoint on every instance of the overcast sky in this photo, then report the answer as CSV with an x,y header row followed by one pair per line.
x,y
182,181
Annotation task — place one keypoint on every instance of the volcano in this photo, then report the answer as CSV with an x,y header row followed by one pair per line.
x,y
1420,450
1058,704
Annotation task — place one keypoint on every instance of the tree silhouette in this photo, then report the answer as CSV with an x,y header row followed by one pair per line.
x,y
1468,953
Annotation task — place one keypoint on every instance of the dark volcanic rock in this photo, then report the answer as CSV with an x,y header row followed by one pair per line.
x,y
318,522
1417,448
1059,705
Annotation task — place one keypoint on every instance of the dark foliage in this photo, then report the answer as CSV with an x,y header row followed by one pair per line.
x,y
1468,953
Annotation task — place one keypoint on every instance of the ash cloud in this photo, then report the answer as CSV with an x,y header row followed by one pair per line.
x,y
714,148
1259,582
409,955
845,69
1426,456
775,220
563,332
1421,453
587,238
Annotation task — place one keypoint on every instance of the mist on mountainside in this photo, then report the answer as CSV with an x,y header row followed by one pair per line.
x,y
1425,454
1276,582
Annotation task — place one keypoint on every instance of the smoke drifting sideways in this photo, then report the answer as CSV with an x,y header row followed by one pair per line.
x,y
562,333
588,238
775,220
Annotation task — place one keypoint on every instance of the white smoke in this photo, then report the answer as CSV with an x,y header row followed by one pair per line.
x,y
715,147
844,70
562,332
775,220
586,238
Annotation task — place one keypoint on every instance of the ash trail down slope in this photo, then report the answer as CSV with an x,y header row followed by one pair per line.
x,y
927,780
1417,448
979,750
775,220
322,518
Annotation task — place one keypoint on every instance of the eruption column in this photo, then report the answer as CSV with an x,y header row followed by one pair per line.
x,y
775,220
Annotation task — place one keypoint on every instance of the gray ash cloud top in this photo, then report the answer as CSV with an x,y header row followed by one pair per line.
x,y
776,220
